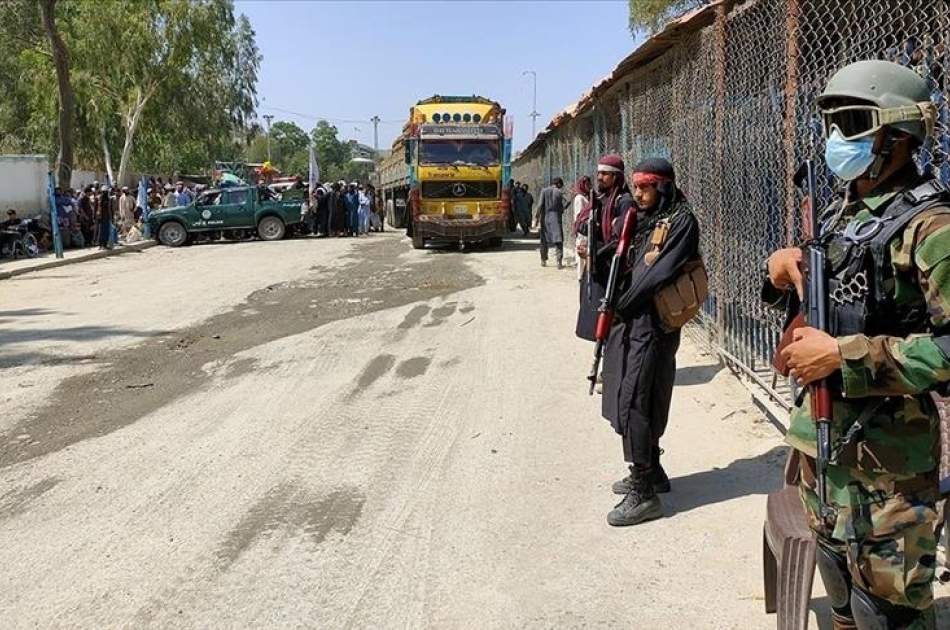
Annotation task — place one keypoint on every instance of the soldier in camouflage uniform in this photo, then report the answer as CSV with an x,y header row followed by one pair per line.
x,y
887,241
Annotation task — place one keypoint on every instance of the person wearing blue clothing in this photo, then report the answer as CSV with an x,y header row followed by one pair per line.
x,y
365,202
352,200
183,196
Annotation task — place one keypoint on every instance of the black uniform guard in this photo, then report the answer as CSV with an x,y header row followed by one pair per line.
x,y
640,358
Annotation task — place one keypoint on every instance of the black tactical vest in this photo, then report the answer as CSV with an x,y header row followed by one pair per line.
x,y
861,278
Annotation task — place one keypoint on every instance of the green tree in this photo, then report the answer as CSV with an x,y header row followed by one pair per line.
x,y
179,92
184,65
332,154
650,15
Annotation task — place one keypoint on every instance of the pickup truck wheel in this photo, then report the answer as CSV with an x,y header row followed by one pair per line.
x,y
418,242
271,229
172,234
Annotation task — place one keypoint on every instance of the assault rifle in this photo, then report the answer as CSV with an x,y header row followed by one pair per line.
x,y
816,316
605,313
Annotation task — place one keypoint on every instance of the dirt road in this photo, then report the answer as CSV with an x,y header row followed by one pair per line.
x,y
350,434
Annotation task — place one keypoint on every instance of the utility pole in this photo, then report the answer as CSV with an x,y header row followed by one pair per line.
x,y
534,103
375,121
268,118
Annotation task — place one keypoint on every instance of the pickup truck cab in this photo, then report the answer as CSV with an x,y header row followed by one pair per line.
x,y
234,211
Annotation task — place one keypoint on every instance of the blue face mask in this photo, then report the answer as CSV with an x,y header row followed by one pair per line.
x,y
849,159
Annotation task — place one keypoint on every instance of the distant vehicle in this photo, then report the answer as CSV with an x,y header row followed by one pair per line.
x,y
235,212
444,180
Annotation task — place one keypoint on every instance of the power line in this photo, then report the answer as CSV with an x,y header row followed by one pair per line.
x,y
333,120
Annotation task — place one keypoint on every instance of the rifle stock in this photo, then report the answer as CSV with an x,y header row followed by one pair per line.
x,y
605,313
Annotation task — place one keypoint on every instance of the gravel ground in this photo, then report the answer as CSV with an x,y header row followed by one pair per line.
x,y
351,434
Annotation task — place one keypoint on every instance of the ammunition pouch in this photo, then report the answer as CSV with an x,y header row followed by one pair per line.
x,y
681,300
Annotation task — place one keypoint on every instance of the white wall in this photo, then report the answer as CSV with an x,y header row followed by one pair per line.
x,y
23,184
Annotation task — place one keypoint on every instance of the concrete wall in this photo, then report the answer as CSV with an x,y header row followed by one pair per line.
x,y
23,184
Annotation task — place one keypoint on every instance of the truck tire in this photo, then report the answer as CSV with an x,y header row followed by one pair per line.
x,y
418,242
271,229
172,234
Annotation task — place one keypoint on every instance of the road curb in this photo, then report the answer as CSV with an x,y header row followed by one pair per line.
x,y
59,262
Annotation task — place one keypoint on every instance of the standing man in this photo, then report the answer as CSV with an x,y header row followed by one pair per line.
x,y
595,225
365,209
352,202
640,355
87,215
550,218
512,186
126,211
524,201
183,196
581,200
888,245
105,219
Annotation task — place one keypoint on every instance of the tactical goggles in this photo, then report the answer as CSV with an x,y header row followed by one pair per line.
x,y
858,121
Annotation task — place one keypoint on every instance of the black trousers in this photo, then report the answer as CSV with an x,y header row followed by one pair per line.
x,y
647,421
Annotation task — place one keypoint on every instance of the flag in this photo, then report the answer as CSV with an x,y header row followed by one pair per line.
x,y
314,171
141,200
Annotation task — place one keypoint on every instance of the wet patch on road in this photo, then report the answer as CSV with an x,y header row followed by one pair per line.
x,y
297,511
16,501
373,371
414,316
97,403
440,314
411,368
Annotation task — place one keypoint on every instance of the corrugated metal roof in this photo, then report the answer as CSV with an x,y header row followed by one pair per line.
x,y
645,53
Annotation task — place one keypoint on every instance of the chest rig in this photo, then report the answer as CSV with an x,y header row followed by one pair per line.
x,y
861,276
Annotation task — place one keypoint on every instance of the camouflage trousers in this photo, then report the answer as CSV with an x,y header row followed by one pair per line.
x,y
888,537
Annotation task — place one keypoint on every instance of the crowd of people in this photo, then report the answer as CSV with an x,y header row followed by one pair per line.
x,y
97,215
341,209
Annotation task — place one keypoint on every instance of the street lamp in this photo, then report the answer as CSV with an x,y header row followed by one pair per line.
x,y
268,118
534,102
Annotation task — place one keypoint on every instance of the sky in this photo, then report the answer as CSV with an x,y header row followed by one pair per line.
x,y
348,61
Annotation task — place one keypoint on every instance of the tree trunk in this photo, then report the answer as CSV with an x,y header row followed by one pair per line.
x,y
106,156
66,98
131,125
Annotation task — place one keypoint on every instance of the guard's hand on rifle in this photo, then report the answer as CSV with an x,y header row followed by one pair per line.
x,y
812,356
785,270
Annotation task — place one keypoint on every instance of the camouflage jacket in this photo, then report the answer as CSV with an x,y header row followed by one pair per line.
x,y
886,380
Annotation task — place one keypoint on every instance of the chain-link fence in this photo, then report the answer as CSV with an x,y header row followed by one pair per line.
x,y
727,93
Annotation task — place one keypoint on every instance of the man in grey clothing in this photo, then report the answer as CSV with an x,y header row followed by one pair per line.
x,y
550,219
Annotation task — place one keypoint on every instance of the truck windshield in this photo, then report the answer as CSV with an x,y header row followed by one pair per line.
x,y
478,152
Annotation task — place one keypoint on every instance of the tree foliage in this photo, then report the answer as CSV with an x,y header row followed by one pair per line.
x,y
290,151
161,85
650,15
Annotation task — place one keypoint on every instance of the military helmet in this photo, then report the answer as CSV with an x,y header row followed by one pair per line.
x,y
891,95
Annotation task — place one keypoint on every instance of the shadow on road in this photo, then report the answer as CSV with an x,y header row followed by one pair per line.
x,y
755,475
76,333
697,374
26,312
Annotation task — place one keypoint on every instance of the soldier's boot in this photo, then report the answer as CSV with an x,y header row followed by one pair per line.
x,y
874,613
641,504
661,483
